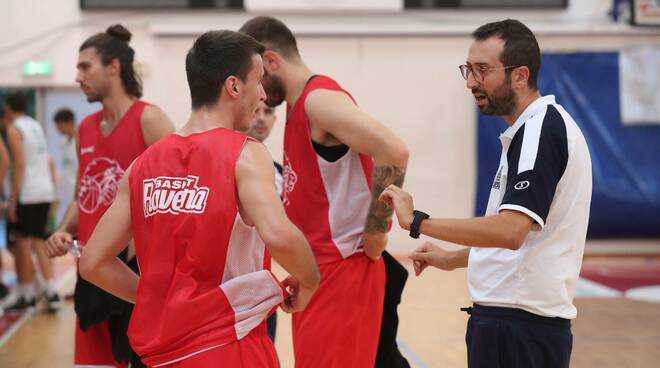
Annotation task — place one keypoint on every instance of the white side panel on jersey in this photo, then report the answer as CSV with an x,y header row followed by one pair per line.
x,y
349,197
251,297
251,290
245,253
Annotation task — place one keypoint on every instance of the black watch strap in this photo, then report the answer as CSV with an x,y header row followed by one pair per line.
x,y
419,216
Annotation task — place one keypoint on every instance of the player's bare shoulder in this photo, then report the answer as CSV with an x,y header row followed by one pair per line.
x,y
155,124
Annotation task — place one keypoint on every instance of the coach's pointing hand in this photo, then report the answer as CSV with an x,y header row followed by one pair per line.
x,y
430,254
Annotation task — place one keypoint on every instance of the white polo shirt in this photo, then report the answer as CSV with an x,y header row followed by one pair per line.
x,y
545,173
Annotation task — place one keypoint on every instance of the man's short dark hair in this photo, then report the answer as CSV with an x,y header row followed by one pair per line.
x,y
16,102
64,116
273,34
520,46
214,57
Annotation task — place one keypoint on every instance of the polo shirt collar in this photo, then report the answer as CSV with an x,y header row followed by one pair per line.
x,y
527,114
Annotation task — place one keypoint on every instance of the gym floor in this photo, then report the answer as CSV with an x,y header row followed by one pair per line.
x,y
618,323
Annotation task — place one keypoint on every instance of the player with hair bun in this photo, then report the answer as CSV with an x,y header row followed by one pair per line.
x,y
108,141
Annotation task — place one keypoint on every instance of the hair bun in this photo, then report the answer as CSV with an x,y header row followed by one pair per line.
x,y
119,32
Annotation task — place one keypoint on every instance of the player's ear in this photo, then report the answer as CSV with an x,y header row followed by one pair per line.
x,y
232,86
272,60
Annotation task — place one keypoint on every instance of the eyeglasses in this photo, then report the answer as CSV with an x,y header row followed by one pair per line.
x,y
479,73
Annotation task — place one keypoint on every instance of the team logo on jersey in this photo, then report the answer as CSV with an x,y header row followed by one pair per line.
x,y
98,184
175,195
289,179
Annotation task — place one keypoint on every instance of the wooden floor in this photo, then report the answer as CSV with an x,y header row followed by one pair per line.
x,y
612,332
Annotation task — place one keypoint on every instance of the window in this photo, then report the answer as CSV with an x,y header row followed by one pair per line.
x,y
160,4
467,4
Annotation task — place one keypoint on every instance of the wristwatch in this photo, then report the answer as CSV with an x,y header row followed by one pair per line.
x,y
419,216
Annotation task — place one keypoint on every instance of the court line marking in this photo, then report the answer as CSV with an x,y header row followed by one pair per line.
x,y
586,288
407,351
14,327
71,273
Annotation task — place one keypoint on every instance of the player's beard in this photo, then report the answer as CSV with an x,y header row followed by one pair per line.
x,y
93,98
93,95
275,91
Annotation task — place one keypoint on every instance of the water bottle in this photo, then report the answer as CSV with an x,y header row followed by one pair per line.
x,y
75,249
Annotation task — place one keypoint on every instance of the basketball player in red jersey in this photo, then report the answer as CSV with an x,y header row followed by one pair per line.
x,y
198,204
108,141
337,161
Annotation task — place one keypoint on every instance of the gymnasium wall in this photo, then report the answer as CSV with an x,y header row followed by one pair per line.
x,y
403,69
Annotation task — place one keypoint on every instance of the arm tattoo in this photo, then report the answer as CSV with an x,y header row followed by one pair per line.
x,y
379,213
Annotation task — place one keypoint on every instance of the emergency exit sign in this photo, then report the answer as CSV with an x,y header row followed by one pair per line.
x,y
33,68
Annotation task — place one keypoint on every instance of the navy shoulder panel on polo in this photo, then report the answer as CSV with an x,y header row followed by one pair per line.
x,y
537,159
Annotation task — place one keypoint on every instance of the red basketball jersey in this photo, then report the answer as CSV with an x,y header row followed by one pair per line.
x,y
204,278
328,201
102,162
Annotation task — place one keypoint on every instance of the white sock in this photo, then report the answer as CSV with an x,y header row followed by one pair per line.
x,y
51,288
26,290
21,289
